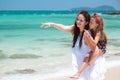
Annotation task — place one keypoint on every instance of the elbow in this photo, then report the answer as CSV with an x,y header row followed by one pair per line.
x,y
94,46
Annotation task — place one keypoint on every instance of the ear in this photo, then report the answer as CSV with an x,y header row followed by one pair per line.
x,y
97,24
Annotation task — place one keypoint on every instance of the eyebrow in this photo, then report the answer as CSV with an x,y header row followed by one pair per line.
x,y
80,18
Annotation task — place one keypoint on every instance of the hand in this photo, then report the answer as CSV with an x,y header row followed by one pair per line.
x,y
47,24
86,33
86,37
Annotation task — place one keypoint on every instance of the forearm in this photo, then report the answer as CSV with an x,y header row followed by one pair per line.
x,y
62,27
92,43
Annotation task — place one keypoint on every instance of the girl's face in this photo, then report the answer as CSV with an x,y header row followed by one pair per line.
x,y
93,25
80,21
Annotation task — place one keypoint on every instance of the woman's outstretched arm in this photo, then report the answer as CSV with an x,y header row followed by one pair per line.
x,y
59,27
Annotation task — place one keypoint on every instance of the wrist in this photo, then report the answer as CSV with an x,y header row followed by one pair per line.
x,y
51,24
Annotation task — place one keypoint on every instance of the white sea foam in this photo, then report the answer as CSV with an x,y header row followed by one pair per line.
x,y
64,72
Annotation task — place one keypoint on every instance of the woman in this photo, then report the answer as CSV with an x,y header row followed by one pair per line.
x,y
79,48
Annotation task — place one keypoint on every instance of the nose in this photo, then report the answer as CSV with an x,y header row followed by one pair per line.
x,y
78,21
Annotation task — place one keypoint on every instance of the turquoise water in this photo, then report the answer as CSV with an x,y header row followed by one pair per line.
x,y
24,42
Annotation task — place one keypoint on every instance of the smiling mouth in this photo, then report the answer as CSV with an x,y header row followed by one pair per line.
x,y
78,24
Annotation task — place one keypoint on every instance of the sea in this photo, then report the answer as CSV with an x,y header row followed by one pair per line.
x,y
29,51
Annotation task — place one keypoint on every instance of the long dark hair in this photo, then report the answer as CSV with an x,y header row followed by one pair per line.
x,y
76,31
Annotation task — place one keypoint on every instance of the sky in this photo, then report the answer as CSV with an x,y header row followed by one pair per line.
x,y
54,4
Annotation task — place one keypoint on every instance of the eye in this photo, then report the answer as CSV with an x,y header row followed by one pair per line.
x,y
90,22
79,20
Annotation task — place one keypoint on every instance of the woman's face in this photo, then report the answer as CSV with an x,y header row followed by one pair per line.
x,y
93,25
80,21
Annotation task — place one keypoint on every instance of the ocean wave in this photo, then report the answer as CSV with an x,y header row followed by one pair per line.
x,y
17,26
111,40
9,36
114,42
67,45
117,54
21,71
57,55
2,56
108,55
39,40
57,40
24,56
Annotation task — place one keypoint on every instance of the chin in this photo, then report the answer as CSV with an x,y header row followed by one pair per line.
x,y
78,26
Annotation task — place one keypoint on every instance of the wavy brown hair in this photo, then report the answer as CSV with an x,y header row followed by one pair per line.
x,y
100,28
76,31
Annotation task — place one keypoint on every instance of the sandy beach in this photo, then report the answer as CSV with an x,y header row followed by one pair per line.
x,y
113,73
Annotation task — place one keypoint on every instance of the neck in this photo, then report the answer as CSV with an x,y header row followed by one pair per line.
x,y
93,30
81,31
